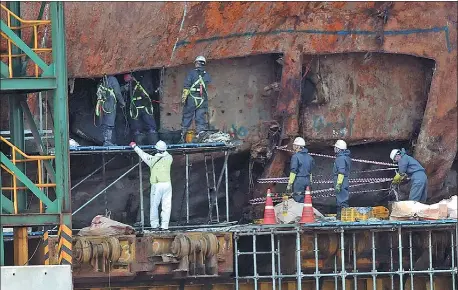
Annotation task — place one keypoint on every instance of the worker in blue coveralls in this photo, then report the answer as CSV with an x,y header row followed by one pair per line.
x,y
300,175
140,111
195,99
108,95
341,173
409,167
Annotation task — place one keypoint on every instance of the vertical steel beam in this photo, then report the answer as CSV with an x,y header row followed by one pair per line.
x,y
298,260
226,177
317,270
342,257
21,246
60,107
142,206
186,156
452,248
430,252
401,269
272,246
279,263
61,143
355,277
17,138
255,263
374,268
411,261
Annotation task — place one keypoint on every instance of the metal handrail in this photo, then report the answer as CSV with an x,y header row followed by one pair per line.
x,y
28,24
39,159
32,158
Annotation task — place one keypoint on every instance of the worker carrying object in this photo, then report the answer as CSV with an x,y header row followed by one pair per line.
x,y
195,99
140,111
341,173
108,95
161,186
409,167
300,175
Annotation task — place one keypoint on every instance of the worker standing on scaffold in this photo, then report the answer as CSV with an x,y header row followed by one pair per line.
x,y
300,175
341,172
410,167
161,185
108,95
140,111
195,99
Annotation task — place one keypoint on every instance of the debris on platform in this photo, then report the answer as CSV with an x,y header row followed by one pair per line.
x,y
290,211
413,210
103,226
73,143
452,206
217,137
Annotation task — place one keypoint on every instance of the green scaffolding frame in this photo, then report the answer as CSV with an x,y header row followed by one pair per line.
x,y
54,80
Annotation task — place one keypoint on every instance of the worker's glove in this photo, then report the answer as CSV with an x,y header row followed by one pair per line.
x,y
339,182
338,188
184,96
289,188
397,179
132,144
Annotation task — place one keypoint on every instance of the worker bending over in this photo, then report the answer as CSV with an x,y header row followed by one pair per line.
x,y
140,111
161,186
108,95
341,173
195,99
408,166
300,175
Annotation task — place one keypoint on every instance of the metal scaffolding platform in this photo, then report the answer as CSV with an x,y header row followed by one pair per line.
x,y
360,255
213,183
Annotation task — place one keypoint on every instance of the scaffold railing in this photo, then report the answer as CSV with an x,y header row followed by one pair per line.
x,y
17,175
361,255
7,33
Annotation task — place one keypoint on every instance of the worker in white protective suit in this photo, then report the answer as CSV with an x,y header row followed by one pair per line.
x,y
161,186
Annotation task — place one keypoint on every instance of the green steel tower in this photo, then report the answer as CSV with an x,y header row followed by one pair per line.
x,y
26,70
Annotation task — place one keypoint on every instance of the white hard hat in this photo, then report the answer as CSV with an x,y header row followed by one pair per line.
x,y
299,141
393,153
341,144
161,146
200,58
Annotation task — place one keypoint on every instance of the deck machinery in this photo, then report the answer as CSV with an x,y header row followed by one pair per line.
x,y
331,255
360,255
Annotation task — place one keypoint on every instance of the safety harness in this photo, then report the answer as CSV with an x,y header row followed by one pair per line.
x,y
198,87
103,94
139,95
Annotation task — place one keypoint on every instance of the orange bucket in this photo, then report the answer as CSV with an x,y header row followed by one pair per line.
x,y
190,136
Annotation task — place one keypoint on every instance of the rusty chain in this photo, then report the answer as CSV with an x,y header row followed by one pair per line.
x,y
278,197
316,193
284,148
284,180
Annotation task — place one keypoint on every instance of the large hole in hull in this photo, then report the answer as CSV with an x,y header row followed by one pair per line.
x,y
84,125
364,97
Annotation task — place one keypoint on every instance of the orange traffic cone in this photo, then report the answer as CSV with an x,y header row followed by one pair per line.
x,y
269,213
307,212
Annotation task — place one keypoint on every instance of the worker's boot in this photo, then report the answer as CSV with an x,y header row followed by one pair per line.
x,y
151,138
107,136
339,213
200,137
183,137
